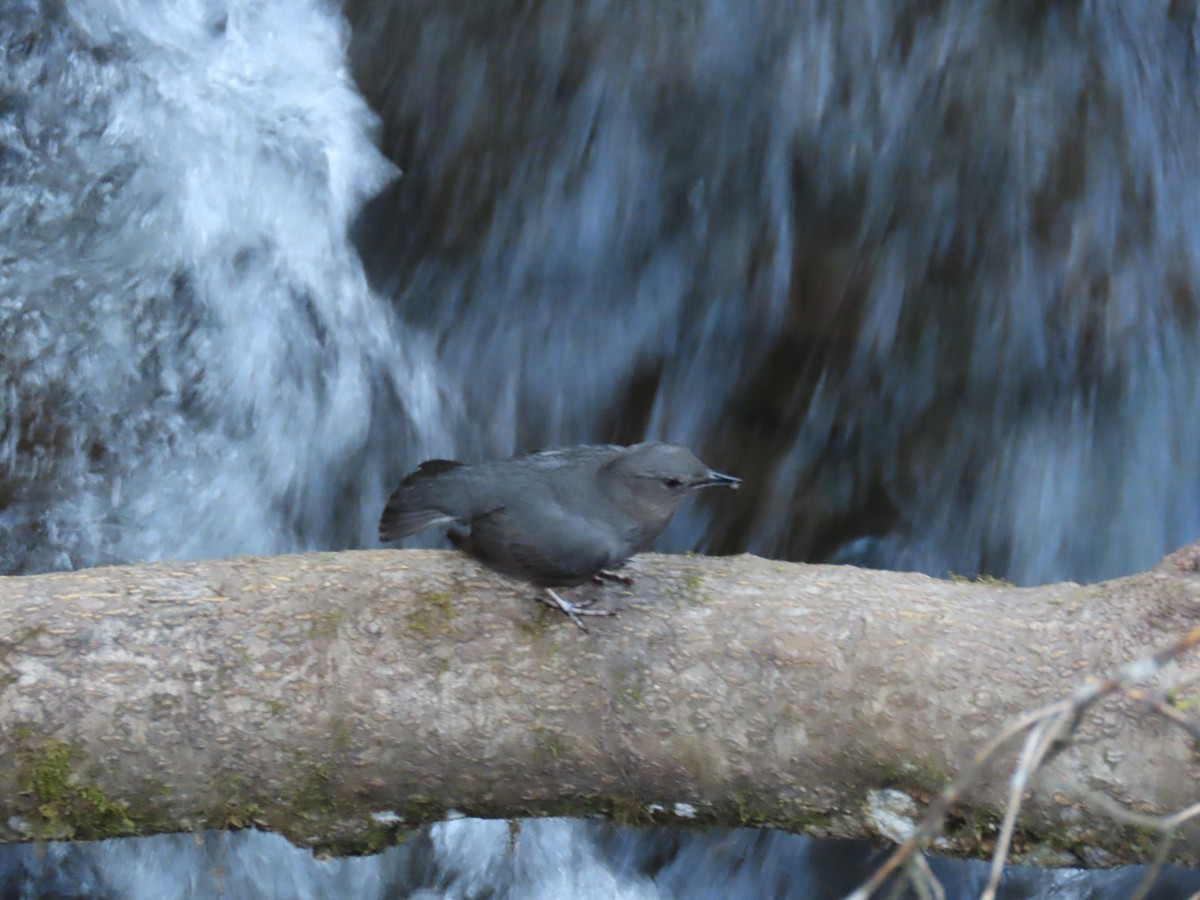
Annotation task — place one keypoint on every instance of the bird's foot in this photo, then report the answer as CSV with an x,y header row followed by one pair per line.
x,y
606,575
572,611
586,602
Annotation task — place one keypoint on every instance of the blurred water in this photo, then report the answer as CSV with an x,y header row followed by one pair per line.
x,y
192,362
545,859
923,274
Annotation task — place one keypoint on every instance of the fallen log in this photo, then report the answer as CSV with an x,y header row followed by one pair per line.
x,y
344,699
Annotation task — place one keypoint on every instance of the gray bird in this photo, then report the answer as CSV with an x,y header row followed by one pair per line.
x,y
555,518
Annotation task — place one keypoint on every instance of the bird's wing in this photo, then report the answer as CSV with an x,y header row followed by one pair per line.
x,y
422,501
559,549
397,523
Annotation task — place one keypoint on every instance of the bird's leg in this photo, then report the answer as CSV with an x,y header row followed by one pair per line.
x,y
573,612
605,575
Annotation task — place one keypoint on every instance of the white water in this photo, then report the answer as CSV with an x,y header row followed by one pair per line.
x,y
185,326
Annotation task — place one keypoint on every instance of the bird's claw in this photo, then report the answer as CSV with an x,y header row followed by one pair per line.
x,y
606,575
572,611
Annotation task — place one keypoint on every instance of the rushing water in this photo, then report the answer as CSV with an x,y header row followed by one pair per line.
x,y
923,274
923,271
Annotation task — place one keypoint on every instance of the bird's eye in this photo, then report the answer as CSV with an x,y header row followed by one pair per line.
x,y
672,482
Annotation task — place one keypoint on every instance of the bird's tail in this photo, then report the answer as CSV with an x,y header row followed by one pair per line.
x,y
422,501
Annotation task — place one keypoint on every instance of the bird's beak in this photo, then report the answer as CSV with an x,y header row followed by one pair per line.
x,y
716,479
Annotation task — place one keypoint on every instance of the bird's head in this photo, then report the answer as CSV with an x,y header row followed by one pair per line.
x,y
653,479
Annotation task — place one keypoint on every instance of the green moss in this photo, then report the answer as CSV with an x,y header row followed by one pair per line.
x,y
316,795
372,837
23,732
922,779
325,624
243,816
630,687
377,839
434,615
970,832
619,808
688,587
421,809
1182,702
378,836
547,746
369,835
234,809
812,822
979,579
444,601
64,804
536,626
150,813
749,808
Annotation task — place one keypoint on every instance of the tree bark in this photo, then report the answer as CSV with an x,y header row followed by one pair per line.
x,y
342,699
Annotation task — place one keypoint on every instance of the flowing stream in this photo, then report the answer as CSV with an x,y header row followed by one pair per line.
x,y
923,274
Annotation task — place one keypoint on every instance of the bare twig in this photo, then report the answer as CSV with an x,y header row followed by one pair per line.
x,y
930,886
1041,738
1166,826
1051,727
1155,867
1157,702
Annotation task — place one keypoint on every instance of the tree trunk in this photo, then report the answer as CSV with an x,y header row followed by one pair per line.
x,y
342,699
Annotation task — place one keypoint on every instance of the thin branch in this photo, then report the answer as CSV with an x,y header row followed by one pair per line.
x,y
1041,739
933,887
1052,725
1157,703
